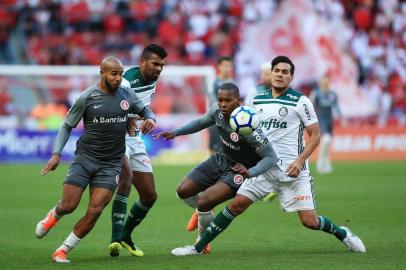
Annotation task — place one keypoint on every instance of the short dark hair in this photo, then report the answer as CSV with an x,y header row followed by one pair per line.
x,y
283,59
230,87
224,58
153,49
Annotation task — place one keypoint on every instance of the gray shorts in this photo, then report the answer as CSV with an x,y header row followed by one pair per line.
x,y
216,168
85,170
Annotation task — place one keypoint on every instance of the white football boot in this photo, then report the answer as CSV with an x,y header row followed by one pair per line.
x,y
185,251
353,242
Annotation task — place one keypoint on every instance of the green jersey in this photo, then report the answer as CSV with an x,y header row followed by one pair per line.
x,y
133,79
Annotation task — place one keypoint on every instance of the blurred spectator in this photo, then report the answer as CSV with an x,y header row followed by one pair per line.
x,y
49,115
4,102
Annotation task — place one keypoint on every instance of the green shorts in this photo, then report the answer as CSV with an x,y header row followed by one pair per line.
x,y
85,170
216,168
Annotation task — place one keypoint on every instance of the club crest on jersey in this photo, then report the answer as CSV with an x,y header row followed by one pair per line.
x,y
238,179
283,111
221,116
124,105
95,95
234,137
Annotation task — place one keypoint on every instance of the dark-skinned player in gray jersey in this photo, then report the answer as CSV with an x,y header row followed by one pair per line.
x,y
104,108
218,178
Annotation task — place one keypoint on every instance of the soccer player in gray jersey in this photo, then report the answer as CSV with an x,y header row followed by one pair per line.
x,y
218,178
104,108
325,104
284,114
136,165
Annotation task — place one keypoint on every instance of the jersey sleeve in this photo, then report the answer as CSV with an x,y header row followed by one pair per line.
x,y
198,124
77,110
306,111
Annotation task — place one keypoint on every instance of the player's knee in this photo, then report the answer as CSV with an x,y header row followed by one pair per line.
x,y
310,222
94,212
236,207
66,208
182,192
204,204
149,199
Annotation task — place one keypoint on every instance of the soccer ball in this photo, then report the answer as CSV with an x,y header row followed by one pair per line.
x,y
244,120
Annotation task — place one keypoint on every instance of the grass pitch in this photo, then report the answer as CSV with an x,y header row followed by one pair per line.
x,y
367,197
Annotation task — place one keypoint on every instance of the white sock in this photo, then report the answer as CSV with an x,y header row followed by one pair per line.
x,y
70,242
191,201
205,218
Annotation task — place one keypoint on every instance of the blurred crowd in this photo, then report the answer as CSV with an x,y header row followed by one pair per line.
x,y
195,32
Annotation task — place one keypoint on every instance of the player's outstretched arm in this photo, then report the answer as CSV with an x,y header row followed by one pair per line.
x,y
166,135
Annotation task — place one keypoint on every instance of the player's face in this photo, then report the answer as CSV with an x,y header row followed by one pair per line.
x,y
281,76
113,77
151,67
227,101
226,68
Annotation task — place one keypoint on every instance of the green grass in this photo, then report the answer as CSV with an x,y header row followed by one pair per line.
x,y
368,197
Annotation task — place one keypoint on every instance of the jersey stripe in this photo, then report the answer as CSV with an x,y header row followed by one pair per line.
x,y
144,88
300,145
288,103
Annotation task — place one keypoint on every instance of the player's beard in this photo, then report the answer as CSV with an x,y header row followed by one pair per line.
x,y
110,86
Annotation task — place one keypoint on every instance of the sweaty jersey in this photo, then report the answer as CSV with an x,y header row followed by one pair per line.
x,y
254,151
283,120
105,121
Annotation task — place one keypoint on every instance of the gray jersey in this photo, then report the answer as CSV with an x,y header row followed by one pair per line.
x,y
253,151
325,104
105,121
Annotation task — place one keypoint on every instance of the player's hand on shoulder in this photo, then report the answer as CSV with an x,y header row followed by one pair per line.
x,y
241,169
51,165
167,135
147,126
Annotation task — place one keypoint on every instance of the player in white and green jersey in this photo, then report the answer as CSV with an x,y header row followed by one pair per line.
x,y
285,114
136,166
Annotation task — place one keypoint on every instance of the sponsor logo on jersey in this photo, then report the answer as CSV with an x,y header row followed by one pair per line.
x,y
283,111
229,145
273,123
124,105
221,116
134,81
105,120
292,96
234,137
238,179
95,95
258,137
302,197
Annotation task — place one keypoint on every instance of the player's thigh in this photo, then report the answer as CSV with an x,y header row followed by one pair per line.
x,y
107,175
71,196
201,177
256,188
99,198
297,195
214,195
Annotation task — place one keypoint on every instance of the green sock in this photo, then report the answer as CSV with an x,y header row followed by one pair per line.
x,y
118,213
329,227
219,224
136,215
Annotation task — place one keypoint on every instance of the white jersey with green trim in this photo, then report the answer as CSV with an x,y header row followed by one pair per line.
x,y
283,120
133,79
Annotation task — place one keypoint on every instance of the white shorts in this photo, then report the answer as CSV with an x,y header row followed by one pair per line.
x,y
293,195
136,153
